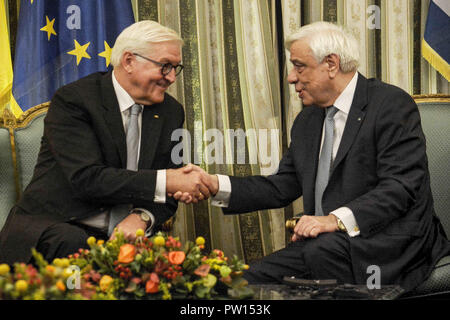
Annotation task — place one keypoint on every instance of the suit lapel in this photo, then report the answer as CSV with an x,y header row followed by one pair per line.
x,y
152,122
113,118
354,120
311,152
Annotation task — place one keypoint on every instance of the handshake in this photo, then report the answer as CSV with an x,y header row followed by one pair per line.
x,y
190,184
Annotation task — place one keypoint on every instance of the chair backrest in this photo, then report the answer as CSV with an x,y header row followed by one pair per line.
x,y
27,137
7,181
20,144
435,114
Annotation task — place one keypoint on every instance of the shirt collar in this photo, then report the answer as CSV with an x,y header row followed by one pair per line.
x,y
345,99
124,99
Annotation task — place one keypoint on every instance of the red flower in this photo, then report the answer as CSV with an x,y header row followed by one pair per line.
x,y
219,253
160,266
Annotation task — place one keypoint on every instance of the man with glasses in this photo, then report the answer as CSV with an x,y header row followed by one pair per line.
x,y
105,160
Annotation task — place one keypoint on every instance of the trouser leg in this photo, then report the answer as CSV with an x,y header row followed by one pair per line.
x,y
63,239
324,257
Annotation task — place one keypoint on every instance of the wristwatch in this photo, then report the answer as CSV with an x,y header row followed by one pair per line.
x,y
143,214
341,225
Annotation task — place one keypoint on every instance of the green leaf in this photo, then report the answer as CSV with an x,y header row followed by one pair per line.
x,y
240,293
131,287
201,291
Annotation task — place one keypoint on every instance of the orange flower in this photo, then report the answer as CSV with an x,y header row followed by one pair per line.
x,y
152,286
60,285
127,253
203,270
176,257
50,269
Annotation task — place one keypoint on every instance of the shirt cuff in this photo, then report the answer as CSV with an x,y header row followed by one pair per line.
x,y
348,219
160,189
222,197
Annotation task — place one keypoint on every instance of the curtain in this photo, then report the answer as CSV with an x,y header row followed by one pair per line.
x,y
230,84
235,78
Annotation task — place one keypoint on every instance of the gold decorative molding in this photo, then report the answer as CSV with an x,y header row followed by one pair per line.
x,y
7,119
26,117
430,98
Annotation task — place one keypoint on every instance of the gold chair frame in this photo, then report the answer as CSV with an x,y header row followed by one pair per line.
x,y
423,98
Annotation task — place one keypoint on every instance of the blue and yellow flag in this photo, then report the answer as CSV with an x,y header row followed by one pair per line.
x,y
436,40
61,41
6,71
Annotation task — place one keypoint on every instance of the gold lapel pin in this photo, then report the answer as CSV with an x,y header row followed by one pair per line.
x,y
156,116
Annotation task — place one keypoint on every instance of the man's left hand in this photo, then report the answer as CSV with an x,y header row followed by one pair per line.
x,y
129,226
311,226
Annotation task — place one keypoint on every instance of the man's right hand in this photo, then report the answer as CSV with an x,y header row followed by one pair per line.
x,y
206,180
190,184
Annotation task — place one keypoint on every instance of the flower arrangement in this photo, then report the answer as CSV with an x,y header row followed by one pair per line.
x,y
159,267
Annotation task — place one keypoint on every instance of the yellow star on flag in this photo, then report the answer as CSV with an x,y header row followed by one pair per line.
x,y
49,28
80,51
106,54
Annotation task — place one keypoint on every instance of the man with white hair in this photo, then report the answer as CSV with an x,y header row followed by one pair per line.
x,y
105,159
358,158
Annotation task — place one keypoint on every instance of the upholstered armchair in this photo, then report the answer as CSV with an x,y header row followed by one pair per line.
x,y
435,114
19,145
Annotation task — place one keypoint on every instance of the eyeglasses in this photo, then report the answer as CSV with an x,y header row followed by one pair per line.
x,y
166,68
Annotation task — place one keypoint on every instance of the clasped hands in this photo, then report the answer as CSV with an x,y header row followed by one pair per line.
x,y
190,184
187,184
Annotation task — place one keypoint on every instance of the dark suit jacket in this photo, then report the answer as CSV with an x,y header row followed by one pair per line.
x,y
80,168
380,173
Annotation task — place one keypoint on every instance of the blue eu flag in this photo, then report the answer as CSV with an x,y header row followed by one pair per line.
x,y
60,41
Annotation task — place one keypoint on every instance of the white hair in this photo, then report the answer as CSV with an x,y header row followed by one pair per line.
x,y
139,37
325,38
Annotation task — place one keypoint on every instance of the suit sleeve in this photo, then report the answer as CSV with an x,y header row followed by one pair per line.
x,y
260,192
401,165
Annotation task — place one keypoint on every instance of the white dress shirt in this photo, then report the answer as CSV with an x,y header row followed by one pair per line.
x,y
343,103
